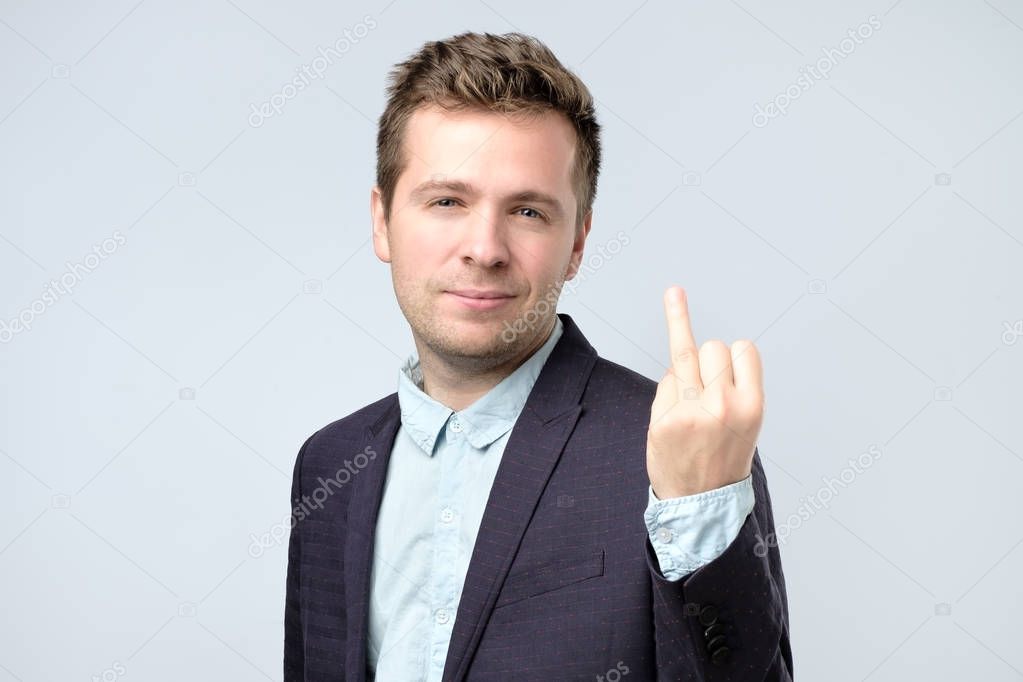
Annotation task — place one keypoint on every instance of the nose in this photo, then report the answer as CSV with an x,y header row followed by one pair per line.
x,y
485,241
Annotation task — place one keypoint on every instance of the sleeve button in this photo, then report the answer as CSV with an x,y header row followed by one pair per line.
x,y
708,615
720,656
713,631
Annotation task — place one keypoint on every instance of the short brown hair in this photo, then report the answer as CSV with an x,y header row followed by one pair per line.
x,y
513,74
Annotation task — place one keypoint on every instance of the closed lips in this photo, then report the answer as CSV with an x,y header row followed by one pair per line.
x,y
473,293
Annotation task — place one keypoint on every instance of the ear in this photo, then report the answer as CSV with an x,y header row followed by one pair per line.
x,y
577,246
376,209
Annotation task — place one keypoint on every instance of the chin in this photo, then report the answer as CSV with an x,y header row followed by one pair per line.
x,y
478,338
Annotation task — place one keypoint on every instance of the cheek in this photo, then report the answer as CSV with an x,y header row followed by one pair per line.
x,y
543,282
426,245
543,248
418,252
417,267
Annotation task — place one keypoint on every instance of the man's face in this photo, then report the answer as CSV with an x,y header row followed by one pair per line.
x,y
485,207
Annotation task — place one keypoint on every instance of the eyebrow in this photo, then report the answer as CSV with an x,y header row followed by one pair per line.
x,y
458,186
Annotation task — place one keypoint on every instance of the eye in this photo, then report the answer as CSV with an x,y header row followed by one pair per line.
x,y
438,201
537,214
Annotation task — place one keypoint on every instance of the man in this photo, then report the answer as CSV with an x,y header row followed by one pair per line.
x,y
521,508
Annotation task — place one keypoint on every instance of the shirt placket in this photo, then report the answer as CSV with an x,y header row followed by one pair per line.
x,y
447,521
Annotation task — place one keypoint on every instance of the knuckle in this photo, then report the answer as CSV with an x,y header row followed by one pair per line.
x,y
747,412
718,408
743,346
712,345
683,355
679,421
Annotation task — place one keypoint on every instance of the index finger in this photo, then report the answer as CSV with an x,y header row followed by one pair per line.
x,y
685,356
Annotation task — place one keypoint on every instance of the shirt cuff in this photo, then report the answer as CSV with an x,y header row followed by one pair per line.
x,y
689,532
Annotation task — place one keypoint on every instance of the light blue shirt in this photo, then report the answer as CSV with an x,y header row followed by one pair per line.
x,y
441,469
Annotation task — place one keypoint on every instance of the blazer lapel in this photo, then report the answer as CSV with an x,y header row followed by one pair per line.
x,y
360,532
532,451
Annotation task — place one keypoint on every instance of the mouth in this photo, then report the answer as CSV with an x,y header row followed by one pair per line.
x,y
478,299
480,293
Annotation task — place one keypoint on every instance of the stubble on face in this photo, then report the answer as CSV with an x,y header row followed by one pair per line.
x,y
489,345
430,254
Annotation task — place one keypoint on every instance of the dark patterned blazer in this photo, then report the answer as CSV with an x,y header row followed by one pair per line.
x,y
563,583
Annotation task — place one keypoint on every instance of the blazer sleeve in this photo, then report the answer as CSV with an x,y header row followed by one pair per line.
x,y
294,636
728,619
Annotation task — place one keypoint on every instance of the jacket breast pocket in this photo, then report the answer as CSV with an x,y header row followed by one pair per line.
x,y
551,574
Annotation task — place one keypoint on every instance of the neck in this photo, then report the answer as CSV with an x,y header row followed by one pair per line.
x,y
459,384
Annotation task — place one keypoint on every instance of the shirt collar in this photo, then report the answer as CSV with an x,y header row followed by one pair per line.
x,y
485,420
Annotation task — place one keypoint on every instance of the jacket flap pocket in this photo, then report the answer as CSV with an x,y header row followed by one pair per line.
x,y
551,574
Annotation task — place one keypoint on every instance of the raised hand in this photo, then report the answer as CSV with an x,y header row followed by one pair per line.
x,y
707,411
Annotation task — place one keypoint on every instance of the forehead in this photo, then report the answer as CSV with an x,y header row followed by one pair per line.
x,y
490,150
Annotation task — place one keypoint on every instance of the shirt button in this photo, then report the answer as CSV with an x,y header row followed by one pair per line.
x,y
664,534
442,616
456,426
446,515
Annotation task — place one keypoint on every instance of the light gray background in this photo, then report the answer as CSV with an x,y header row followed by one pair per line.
x,y
869,240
